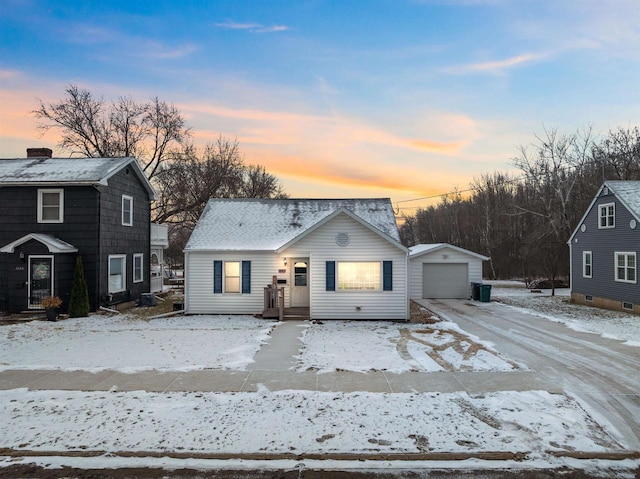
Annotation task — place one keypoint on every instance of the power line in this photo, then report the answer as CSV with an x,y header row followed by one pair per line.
x,y
505,182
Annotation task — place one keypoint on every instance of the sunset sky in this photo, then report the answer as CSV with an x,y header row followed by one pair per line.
x,y
347,98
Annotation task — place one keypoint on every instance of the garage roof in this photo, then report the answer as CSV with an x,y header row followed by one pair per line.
x,y
421,249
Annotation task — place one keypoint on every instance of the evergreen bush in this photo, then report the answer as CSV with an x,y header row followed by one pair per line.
x,y
79,302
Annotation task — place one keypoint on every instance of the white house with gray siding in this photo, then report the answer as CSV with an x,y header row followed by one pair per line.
x,y
604,249
340,258
442,270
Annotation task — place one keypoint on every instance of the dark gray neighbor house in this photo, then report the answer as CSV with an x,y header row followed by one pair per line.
x,y
55,209
604,249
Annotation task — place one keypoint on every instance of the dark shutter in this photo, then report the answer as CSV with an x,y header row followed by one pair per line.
x,y
217,277
246,277
387,275
331,275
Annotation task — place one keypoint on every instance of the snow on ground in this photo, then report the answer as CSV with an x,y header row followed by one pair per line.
x,y
297,422
610,324
396,347
128,343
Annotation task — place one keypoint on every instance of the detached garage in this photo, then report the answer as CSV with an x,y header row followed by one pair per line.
x,y
443,271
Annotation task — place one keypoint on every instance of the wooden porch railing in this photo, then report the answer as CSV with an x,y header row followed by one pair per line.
x,y
273,303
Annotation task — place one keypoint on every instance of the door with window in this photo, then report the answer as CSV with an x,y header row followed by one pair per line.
x,y
300,283
40,280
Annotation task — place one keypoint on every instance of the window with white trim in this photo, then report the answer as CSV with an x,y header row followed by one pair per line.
x,y
232,276
359,276
138,275
51,206
625,267
587,259
607,216
117,273
127,210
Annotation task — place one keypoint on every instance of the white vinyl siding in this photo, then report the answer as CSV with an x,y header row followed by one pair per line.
x,y
587,264
416,269
364,246
51,206
199,296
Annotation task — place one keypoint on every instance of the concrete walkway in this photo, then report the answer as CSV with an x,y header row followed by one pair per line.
x,y
274,369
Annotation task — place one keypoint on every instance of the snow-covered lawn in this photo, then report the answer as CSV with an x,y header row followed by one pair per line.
x,y
128,343
396,347
297,422
610,324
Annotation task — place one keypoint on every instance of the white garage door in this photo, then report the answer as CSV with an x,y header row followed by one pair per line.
x,y
440,280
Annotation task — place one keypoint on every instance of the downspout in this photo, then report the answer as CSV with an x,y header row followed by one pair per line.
x,y
406,288
185,275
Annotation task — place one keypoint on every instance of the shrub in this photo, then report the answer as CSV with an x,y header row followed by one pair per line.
x,y
79,302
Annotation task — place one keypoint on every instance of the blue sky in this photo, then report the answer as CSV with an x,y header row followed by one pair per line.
x,y
337,98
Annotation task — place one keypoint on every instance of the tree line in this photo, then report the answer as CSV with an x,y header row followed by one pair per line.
x,y
157,135
523,222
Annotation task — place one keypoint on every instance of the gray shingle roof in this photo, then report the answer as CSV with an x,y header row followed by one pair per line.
x,y
266,225
629,193
58,171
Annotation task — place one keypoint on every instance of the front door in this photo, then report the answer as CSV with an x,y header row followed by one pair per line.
x,y
300,283
40,280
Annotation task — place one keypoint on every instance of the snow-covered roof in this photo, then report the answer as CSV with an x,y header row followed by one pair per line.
x,y
69,171
628,192
54,245
421,249
266,225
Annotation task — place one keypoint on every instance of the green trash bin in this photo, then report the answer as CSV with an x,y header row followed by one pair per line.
x,y
485,293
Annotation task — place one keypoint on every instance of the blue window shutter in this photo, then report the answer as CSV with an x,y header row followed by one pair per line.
x,y
246,277
331,276
387,275
217,277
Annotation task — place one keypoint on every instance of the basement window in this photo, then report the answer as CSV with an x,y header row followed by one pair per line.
x,y
588,297
628,306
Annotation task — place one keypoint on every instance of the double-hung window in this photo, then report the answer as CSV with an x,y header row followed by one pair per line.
x,y
117,273
607,216
625,267
587,264
127,210
231,277
138,275
50,206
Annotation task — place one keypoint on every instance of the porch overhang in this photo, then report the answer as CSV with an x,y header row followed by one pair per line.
x,y
54,245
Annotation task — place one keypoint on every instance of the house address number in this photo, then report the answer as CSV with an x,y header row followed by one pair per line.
x,y
19,268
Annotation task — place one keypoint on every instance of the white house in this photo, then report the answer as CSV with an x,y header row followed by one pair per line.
x,y
443,271
341,258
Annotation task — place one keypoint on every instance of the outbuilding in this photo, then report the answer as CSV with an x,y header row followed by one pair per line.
x,y
443,271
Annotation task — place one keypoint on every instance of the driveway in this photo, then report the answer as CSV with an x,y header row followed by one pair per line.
x,y
604,373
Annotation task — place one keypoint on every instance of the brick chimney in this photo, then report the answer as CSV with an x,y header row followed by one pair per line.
x,y
39,152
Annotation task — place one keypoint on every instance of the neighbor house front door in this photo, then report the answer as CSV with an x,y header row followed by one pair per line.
x,y
40,279
300,283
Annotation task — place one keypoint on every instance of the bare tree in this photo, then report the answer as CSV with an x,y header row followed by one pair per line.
x,y
218,171
153,132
